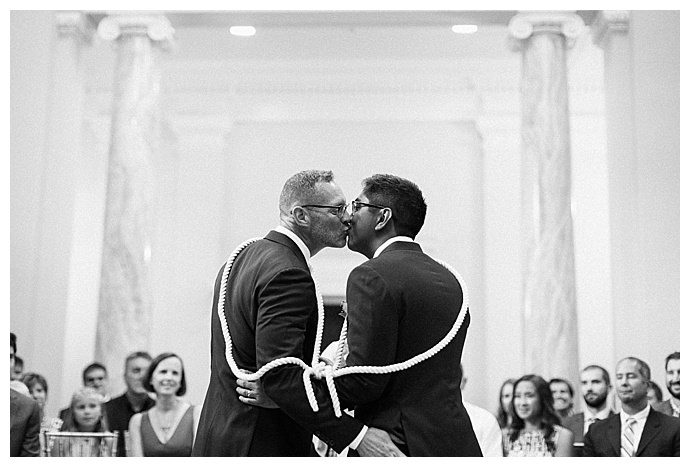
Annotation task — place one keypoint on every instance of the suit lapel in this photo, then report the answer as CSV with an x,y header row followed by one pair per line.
x,y
613,433
651,429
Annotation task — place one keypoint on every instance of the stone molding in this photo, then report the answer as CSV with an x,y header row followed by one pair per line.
x,y
523,25
608,22
155,27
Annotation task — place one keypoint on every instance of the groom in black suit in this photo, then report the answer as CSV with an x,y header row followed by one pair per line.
x,y
651,433
271,311
401,303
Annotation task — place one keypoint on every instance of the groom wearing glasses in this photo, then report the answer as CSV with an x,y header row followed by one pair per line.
x,y
400,304
271,312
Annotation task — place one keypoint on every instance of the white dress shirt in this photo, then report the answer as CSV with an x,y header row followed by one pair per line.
x,y
641,418
385,244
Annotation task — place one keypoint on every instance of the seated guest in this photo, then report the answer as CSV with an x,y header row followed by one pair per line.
x,y
654,395
94,376
638,430
505,399
169,427
484,425
86,412
595,384
563,397
38,388
672,405
87,416
134,400
535,430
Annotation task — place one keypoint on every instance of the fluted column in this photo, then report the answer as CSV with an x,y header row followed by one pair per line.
x,y
125,304
549,300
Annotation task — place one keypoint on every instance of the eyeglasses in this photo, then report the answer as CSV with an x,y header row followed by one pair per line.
x,y
340,210
356,205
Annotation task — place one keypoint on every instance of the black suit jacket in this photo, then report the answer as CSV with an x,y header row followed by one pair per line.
x,y
401,304
25,426
271,311
660,437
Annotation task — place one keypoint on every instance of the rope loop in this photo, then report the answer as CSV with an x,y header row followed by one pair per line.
x,y
318,369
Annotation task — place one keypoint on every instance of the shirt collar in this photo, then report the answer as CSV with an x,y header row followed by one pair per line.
x,y
640,416
385,244
298,241
601,414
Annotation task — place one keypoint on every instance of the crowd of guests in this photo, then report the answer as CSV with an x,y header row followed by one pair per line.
x,y
151,418
535,417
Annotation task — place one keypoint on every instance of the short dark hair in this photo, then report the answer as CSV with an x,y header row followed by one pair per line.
x,y
605,374
644,368
90,367
402,196
31,379
137,354
673,356
301,188
154,364
567,383
13,342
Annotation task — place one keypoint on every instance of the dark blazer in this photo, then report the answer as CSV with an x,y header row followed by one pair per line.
x,y
401,304
118,412
576,424
25,426
272,312
661,437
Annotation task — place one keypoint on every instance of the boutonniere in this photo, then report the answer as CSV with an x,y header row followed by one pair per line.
x,y
343,309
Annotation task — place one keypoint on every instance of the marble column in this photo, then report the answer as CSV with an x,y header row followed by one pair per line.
x,y
125,302
550,338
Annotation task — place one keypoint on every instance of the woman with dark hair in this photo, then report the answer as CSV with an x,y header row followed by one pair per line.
x,y
38,389
535,430
505,399
169,427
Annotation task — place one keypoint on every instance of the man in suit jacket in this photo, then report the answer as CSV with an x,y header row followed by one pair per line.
x,y
596,384
271,311
672,405
401,303
25,417
651,433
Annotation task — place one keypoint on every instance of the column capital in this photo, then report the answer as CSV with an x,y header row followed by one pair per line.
x,y
74,24
155,27
607,22
526,23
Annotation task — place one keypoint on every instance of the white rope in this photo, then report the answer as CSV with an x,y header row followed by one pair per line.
x,y
319,369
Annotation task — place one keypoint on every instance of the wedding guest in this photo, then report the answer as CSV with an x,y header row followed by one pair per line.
x,y
638,430
167,429
535,430
563,397
505,399
672,405
134,400
86,412
38,388
595,384
95,375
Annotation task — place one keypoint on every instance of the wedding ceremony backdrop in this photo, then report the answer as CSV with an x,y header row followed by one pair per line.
x,y
145,146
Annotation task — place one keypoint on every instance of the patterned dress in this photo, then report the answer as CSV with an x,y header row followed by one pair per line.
x,y
529,444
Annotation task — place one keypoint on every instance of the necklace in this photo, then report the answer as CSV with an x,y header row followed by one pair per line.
x,y
166,418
